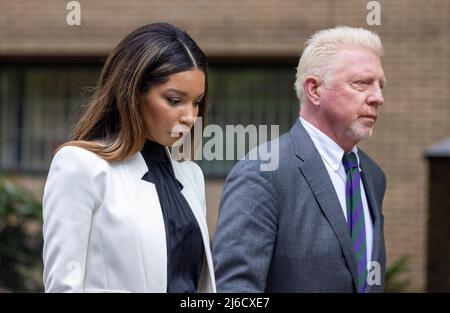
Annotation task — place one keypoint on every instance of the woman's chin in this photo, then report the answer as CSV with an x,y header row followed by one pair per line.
x,y
175,141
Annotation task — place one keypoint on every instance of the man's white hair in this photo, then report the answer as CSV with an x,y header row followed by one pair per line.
x,y
321,47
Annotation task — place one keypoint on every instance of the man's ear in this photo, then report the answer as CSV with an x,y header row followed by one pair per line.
x,y
312,88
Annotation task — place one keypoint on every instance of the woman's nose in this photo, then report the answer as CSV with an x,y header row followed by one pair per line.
x,y
188,115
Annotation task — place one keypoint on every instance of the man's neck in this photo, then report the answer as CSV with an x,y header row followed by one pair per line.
x,y
347,146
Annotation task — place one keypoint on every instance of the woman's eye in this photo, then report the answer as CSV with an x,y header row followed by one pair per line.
x,y
173,100
197,103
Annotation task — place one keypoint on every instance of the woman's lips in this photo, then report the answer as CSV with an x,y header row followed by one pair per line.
x,y
179,131
177,134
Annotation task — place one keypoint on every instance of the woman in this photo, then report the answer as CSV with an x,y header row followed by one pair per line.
x,y
119,214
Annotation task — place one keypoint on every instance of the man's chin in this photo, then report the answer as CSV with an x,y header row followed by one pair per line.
x,y
361,133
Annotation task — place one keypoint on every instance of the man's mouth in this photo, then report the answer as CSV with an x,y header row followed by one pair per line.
x,y
370,116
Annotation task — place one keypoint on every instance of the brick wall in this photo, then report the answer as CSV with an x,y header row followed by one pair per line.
x,y
415,33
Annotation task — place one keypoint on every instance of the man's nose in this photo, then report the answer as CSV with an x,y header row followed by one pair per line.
x,y
376,97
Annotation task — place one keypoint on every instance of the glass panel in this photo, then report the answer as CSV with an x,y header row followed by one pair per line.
x,y
39,106
249,96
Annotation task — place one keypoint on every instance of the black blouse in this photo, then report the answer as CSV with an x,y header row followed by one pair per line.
x,y
185,249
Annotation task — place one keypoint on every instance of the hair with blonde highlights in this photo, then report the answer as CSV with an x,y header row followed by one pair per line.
x,y
112,126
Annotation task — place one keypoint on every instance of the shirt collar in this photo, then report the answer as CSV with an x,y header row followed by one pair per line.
x,y
329,150
154,151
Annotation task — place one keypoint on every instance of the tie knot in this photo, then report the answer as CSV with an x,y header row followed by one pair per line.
x,y
350,161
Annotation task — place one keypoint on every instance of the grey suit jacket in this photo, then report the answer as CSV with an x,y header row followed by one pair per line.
x,y
284,230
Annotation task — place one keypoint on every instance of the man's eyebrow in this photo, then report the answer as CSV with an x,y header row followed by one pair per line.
x,y
357,76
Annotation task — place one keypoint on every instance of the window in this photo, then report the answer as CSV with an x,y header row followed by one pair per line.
x,y
249,95
39,105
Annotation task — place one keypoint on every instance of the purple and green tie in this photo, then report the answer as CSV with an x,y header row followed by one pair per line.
x,y
355,216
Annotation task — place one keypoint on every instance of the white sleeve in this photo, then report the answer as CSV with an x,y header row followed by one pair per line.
x,y
68,203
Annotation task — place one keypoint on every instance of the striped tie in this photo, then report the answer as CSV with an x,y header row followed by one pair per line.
x,y
355,216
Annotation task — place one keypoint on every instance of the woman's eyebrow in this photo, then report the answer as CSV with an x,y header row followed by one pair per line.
x,y
181,93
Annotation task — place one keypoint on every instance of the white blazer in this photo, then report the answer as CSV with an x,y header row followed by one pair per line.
x,y
103,225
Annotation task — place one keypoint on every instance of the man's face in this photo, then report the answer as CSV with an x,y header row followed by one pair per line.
x,y
349,103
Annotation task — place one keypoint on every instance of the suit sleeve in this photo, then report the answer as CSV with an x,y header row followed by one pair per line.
x,y
68,203
246,230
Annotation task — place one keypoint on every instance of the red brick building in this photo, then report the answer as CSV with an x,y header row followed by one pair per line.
x,y
253,46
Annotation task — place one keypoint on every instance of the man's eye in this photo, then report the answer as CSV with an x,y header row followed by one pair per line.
x,y
361,84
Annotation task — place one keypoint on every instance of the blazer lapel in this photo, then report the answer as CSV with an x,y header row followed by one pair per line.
x,y
315,173
369,188
150,224
197,209
189,193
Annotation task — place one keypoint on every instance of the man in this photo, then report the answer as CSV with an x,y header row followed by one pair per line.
x,y
315,223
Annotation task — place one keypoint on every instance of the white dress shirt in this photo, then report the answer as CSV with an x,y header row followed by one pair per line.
x,y
332,155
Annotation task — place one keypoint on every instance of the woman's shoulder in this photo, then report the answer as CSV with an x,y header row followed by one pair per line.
x,y
75,152
80,158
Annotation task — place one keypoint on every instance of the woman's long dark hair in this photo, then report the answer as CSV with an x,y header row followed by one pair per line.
x,y
112,125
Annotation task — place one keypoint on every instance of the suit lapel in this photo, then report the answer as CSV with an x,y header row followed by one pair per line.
x,y
149,220
194,203
369,188
197,209
316,175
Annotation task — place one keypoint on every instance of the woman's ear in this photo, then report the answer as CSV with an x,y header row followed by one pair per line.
x,y
312,88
